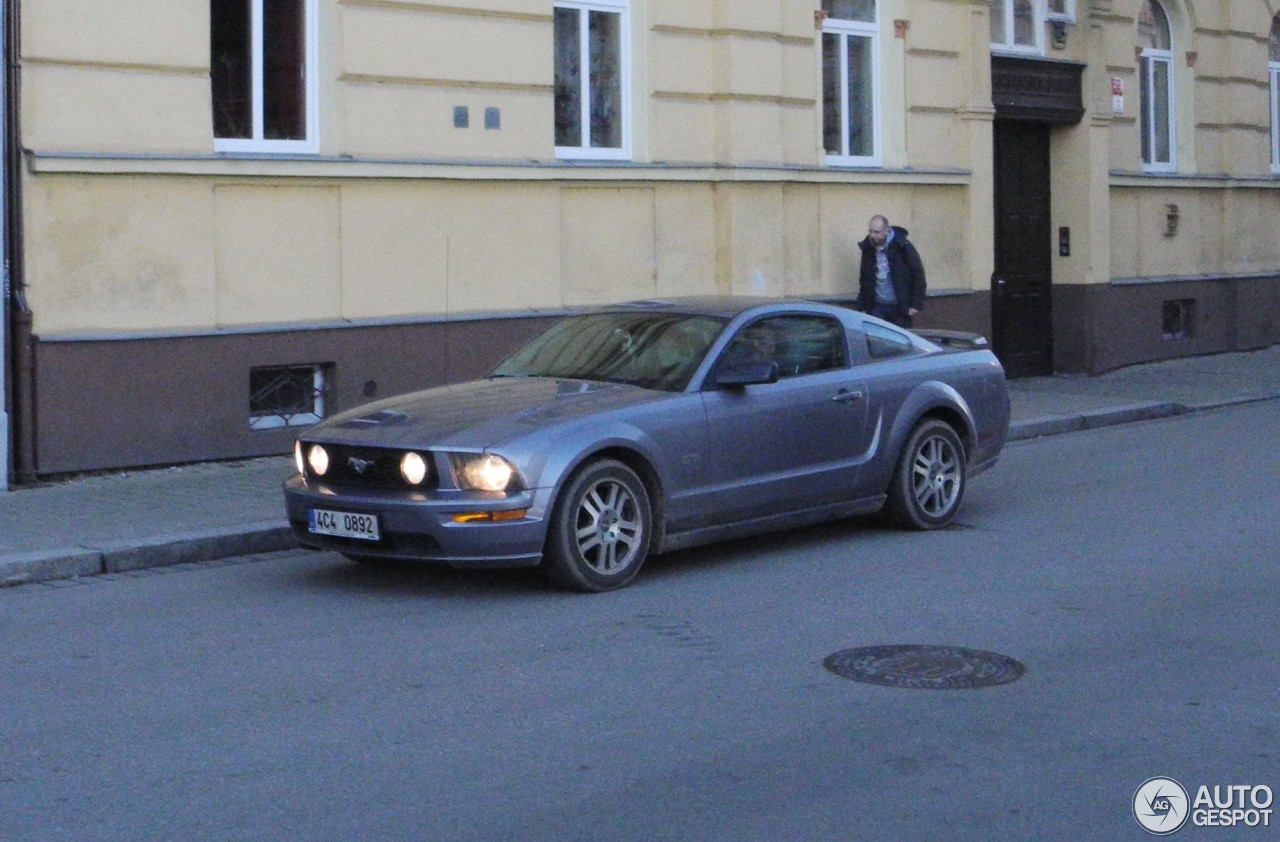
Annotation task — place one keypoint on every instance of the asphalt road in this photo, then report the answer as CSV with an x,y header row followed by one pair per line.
x,y
1132,570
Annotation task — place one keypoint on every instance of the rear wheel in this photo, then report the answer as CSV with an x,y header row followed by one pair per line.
x,y
928,482
600,529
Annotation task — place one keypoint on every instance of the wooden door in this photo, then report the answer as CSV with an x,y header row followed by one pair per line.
x,y
1021,294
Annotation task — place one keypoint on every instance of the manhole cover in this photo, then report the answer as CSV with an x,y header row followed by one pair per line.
x,y
925,667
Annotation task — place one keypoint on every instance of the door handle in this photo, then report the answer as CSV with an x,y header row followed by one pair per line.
x,y
847,396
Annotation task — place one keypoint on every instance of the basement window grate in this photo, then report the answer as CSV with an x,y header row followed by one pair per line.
x,y
1179,320
286,396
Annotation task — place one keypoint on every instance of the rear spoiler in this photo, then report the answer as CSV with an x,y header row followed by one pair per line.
x,y
957,339
954,339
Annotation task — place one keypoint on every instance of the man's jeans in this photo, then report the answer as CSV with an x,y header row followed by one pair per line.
x,y
889,312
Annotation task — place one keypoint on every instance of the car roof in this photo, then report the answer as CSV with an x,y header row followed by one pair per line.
x,y
719,306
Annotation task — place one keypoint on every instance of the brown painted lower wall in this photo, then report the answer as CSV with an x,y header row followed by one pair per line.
x,y
119,403
1098,328
131,402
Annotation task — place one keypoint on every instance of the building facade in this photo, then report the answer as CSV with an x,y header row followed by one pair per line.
x,y
228,218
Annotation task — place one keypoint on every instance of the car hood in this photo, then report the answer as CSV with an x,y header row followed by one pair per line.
x,y
478,413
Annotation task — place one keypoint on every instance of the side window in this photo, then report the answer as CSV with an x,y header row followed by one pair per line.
x,y
592,79
850,82
797,344
883,343
263,58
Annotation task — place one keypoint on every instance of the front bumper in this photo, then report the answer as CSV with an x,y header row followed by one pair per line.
x,y
420,526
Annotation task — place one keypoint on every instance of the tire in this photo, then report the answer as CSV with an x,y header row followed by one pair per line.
x,y
928,482
600,529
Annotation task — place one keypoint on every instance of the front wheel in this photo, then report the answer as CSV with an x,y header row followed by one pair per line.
x,y
600,529
928,482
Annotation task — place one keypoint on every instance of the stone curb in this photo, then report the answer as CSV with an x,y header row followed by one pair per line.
x,y
1052,425
183,548
47,565
120,556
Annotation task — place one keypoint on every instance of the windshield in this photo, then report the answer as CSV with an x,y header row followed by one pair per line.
x,y
650,350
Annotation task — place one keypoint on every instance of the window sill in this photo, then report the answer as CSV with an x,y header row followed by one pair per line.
x,y
1017,52
1219,181
269,148
575,153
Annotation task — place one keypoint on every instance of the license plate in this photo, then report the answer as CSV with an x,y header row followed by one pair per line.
x,y
344,525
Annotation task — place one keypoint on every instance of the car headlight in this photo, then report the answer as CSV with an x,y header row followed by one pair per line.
x,y
318,459
413,468
483,472
297,457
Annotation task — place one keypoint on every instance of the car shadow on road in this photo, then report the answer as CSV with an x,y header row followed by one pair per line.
x,y
334,572
803,539
331,571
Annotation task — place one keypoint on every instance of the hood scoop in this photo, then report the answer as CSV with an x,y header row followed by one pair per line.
x,y
381,418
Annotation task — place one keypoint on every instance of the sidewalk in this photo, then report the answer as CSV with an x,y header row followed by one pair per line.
x,y
129,521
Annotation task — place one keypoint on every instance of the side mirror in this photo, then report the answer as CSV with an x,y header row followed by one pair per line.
x,y
747,374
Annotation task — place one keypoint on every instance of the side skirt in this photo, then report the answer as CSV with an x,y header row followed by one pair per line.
x,y
773,523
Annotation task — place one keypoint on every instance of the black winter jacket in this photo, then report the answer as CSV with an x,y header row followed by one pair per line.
x,y
905,268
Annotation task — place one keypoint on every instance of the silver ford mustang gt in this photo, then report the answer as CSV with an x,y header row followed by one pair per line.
x,y
656,425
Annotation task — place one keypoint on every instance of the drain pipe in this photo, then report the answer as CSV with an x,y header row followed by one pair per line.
x,y
17,369
6,451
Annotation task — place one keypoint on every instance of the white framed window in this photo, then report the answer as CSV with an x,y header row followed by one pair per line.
x,y
1273,71
1155,88
851,83
263,68
1062,10
593,79
1017,26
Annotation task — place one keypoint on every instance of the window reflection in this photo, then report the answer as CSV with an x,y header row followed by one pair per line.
x,y
231,68
1153,27
999,8
568,78
1024,22
284,83
606,80
859,10
651,350
861,106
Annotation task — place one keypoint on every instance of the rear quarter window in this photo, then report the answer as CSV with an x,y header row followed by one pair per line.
x,y
885,343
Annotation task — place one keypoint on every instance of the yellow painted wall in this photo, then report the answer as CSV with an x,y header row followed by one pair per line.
x,y
133,223
174,254
120,254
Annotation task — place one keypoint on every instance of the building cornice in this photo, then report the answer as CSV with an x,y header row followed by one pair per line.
x,y
1221,181
445,9
343,167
